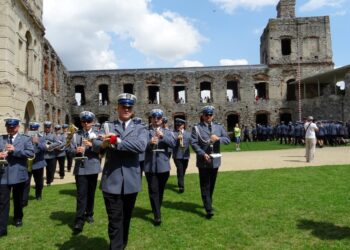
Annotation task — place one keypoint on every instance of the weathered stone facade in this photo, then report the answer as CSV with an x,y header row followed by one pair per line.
x,y
35,85
23,54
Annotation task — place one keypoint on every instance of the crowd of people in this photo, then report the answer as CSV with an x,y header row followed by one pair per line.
x,y
130,148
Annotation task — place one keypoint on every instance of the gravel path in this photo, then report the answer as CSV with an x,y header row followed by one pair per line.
x,y
252,160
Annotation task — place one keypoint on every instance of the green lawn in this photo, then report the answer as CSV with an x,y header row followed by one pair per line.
x,y
303,208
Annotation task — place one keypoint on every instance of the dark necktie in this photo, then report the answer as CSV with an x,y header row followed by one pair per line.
x,y
11,139
86,135
123,125
209,127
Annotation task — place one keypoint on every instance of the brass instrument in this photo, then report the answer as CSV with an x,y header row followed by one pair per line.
x,y
30,160
71,130
155,146
181,139
3,162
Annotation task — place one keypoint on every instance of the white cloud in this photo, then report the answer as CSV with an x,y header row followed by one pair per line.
x,y
318,4
189,63
230,6
227,62
82,31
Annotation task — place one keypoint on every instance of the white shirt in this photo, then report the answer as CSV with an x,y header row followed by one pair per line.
x,y
310,130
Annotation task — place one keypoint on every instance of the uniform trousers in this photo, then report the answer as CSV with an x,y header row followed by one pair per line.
x,y
5,193
207,179
310,147
60,161
86,187
38,175
119,208
181,166
50,170
156,185
69,162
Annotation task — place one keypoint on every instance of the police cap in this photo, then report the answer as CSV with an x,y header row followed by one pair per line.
x,y
87,116
11,122
126,99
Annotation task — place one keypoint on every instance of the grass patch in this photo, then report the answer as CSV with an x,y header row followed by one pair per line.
x,y
303,208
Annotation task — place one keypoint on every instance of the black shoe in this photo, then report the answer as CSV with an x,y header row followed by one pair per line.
x,y
209,214
89,219
3,234
61,177
18,223
24,203
157,221
78,227
38,198
48,184
181,190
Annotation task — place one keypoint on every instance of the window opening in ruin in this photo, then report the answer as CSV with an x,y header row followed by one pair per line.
x,y
261,91
128,88
54,115
79,95
47,112
28,54
58,116
153,95
261,119
66,119
205,92
103,95
286,46
232,120
291,88
29,114
340,89
46,75
180,94
286,118
232,91
53,78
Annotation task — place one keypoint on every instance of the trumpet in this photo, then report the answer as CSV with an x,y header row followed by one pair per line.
x,y
30,162
156,137
3,162
181,139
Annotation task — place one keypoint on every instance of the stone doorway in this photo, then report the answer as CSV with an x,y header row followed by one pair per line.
x,y
231,122
29,114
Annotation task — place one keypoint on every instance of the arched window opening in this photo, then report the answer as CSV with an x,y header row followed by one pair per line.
x,y
261,92
180,94
103,95
79,95
232,91
262,119
286,117
153,95
232,120
128,88
205,92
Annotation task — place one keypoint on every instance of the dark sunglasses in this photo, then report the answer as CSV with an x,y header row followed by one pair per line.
x,y
86,121
208,115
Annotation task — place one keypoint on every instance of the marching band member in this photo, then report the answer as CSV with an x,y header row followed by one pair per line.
x,y
157,165
181,152
86,169
122,142
51,144
206,138
38,163
60,151
138,120
15,149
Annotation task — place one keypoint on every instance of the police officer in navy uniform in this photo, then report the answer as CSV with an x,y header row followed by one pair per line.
x,y
60,151
206,138
122,141
157,163
50,155
86,169
38,164
15,148
181,152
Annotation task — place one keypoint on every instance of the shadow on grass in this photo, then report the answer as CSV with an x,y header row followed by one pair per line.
x,y
71,192
186,207
83,242
325,230
66,218
142,213
172,187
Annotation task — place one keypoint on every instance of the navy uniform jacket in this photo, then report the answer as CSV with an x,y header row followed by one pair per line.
x,y
50,152
92,164
200,138
182,153
16,170
158,162
60,151
39,149
122,166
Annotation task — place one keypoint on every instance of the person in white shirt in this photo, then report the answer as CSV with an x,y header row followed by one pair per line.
x,y
310,138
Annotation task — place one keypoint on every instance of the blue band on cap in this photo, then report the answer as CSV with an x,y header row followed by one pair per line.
x,y
87,118
126,102
12,122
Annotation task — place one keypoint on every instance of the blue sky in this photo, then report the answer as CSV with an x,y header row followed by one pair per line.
x,y
108,34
